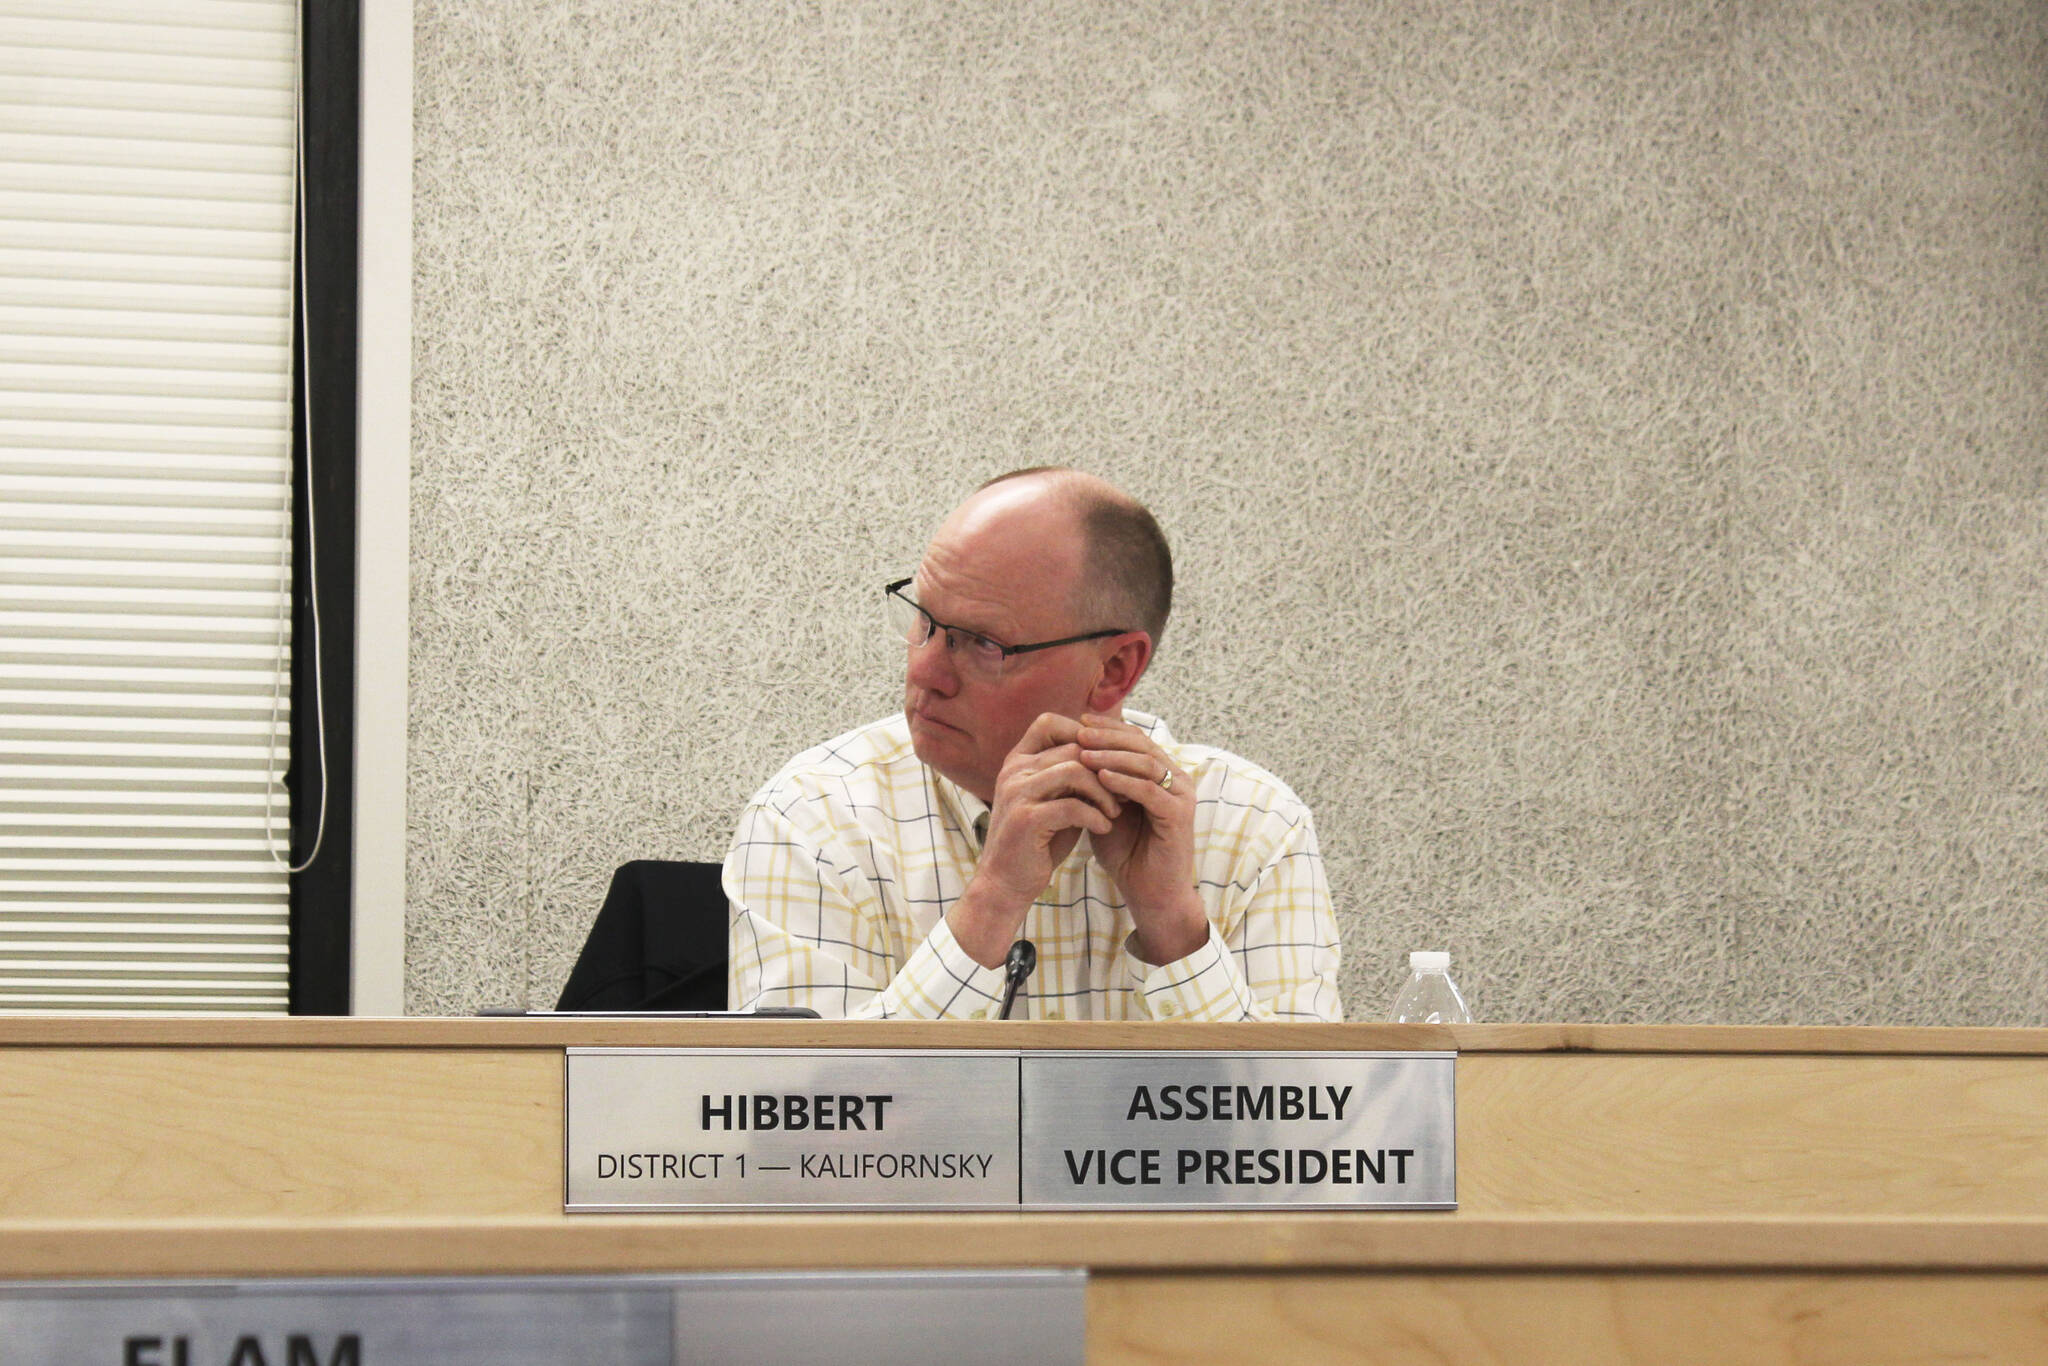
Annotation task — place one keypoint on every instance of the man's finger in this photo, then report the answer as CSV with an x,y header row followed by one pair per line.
x,y
1071,812
1160,803
1071,778
1021,762
1043,821
1099,732
1133,762
1048,730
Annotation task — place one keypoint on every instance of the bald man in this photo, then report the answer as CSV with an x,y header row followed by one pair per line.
x,y
886,873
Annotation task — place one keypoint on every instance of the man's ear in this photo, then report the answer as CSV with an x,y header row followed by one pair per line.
x,y
1121,670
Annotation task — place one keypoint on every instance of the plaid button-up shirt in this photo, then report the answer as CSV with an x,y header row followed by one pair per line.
x,y
846,862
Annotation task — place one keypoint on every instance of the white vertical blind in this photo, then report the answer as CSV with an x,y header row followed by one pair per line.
x,y
145,321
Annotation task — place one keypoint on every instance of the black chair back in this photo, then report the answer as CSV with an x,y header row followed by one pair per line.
x,y
658,942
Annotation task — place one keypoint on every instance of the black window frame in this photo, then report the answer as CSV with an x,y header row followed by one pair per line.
x,y
325,306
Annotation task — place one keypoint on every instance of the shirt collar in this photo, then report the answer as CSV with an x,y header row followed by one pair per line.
x,y
963,810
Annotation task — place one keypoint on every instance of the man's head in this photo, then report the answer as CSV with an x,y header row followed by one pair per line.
x,y
1037,555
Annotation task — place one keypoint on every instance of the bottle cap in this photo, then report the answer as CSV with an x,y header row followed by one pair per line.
x,y
1423,960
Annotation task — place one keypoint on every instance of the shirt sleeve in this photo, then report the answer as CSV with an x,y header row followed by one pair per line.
x,y
808,929
1273,956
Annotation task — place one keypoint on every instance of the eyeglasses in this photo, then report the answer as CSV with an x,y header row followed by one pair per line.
x,y
973,651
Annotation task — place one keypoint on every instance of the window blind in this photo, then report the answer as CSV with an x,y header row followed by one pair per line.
x,y
146,176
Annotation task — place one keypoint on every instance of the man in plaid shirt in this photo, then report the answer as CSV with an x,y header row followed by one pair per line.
x,y
885,873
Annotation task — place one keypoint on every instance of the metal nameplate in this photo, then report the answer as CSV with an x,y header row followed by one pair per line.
x,y
711,1319
683,1128
341,1323
706,1128
1226,1130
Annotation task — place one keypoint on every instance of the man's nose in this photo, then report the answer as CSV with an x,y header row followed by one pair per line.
x,y
931,666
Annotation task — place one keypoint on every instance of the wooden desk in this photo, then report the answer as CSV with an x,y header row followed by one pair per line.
x,y
1627,1194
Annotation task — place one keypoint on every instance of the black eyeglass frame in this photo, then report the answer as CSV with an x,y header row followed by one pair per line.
x,y
895,590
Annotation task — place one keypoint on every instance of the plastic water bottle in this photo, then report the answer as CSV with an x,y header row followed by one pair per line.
x,y
1430,996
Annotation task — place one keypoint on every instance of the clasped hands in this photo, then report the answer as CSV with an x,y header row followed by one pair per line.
x,y
1103,775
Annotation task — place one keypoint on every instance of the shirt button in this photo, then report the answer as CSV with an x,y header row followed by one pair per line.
x,y
1168,1008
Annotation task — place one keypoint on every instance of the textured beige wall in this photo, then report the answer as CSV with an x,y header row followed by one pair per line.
x,y
1606,446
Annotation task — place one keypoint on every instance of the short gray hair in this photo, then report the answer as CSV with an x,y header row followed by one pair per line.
x,y
1129,578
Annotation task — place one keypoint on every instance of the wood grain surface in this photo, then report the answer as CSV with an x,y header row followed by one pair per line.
x,y
1737,1133
210,1147
367,1128
1711,1319
153,1133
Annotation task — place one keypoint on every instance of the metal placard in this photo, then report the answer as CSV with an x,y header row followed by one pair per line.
x,y
720,1319
906,1318
339,1323
698,1128
1226,1130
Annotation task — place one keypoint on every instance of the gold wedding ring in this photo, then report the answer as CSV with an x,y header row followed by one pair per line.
x,y
1166,780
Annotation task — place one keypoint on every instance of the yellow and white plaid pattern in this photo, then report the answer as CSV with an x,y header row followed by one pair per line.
x,y
846,862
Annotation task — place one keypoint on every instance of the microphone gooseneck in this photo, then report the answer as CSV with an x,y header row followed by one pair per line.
x,y
1022,958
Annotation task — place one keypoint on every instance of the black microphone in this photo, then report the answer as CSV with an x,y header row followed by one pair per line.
x,y
1022,959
